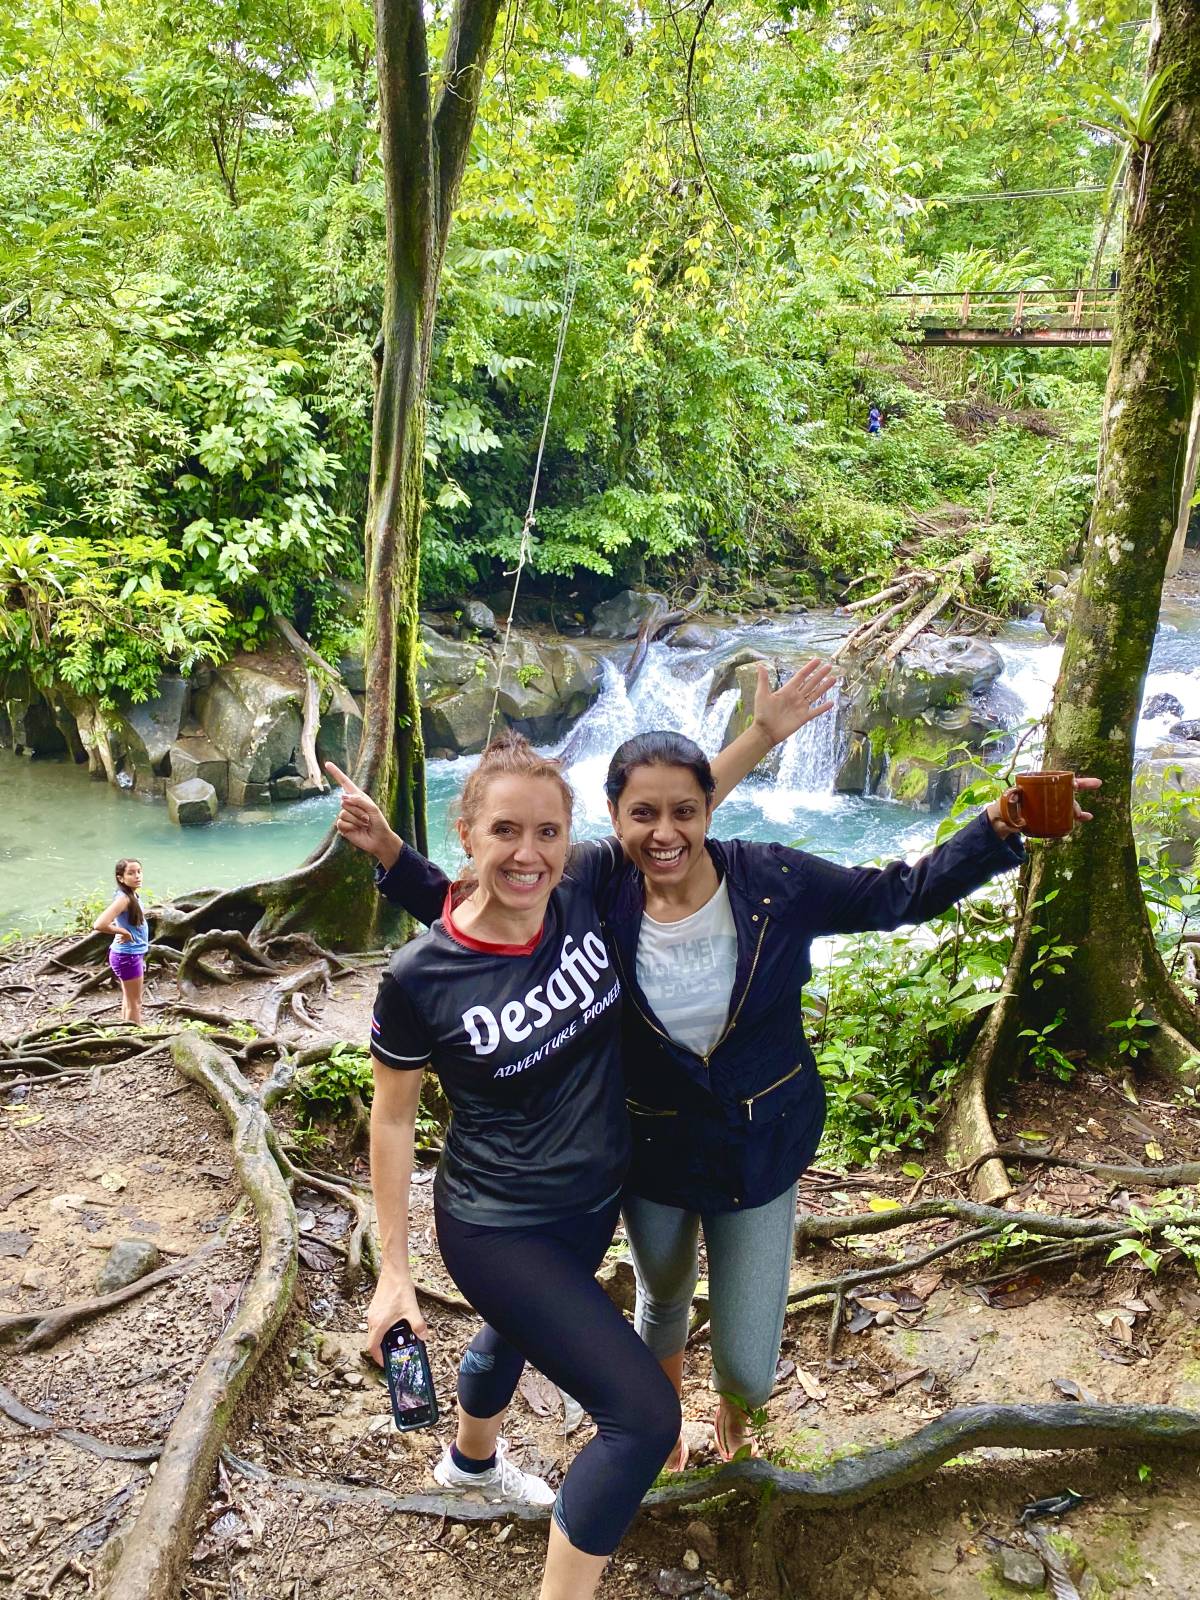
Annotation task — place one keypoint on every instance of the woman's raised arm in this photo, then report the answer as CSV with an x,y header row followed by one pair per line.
x,y
777,715
408,879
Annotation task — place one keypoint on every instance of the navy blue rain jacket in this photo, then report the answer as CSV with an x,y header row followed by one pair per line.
x,y
734,1128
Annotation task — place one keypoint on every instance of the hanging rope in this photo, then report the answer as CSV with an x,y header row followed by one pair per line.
x,y
583,217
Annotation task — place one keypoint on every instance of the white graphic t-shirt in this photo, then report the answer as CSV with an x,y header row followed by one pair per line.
x,y
685,970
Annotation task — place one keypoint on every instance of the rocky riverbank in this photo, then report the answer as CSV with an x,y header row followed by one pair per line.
x,y
232,735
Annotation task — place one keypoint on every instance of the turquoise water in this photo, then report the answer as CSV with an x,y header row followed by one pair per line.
x,y
60,833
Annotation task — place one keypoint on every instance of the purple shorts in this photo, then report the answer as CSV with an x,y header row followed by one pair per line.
x,y
125,966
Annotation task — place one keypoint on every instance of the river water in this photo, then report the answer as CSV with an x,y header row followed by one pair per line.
x,y
60,833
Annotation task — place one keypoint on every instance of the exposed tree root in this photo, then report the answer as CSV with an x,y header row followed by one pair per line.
x,y
844,1483
287,991
360,1247
1184,1172
233,943
1095,1231
305,944
36,1422
155,1551
894,1269
49,1325
1047,1224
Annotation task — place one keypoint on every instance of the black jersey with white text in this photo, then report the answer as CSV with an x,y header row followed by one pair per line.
x,y
527,1048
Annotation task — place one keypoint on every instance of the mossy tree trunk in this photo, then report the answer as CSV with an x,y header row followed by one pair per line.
x,y
424,138
1085,891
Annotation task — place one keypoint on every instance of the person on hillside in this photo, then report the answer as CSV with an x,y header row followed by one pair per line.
x,y
125,921
874,420
711,942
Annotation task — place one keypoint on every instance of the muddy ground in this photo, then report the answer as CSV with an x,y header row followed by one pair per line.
x,y
133,1151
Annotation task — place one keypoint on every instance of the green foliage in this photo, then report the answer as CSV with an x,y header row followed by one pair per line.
x,y
96,616
1044,1055
891,1027
334,1088
191,249
328,1088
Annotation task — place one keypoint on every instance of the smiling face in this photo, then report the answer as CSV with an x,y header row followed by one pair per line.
x,y
518,840
661,818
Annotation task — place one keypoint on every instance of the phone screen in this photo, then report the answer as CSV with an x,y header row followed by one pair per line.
x,y
409,1382
408,1374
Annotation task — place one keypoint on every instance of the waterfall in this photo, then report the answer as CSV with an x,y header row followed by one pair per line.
x,y
671,693
1031,668
662,697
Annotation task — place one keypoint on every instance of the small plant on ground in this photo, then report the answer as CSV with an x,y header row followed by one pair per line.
x,y
342,1084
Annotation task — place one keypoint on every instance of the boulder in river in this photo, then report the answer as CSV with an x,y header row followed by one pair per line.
x,y
457,722
1183,730
254,719
1164,705
340,732
447,664
476,620
854,773
192,803
623,615
694,636
544,689
146,732
939,672
194,756
287,786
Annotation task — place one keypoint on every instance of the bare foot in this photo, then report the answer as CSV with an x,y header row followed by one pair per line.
x,y
731,1431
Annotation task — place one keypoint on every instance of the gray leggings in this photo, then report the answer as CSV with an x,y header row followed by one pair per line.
x,y
749,1265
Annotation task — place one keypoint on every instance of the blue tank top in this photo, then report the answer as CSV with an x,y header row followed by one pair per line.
x,y
138,942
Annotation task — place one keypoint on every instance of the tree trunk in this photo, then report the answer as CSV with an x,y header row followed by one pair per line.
x,y
424,146
1190,472
1085,891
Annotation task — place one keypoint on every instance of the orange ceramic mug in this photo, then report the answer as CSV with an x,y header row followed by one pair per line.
x,y
1042,804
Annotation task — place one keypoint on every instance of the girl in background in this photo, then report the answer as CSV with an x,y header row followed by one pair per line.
x,y
125,920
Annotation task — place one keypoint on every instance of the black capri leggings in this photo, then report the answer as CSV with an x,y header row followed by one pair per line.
x,y
535,1288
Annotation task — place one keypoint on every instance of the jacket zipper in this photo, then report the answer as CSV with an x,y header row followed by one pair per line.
x,y
738,1010
779,1082
728,1026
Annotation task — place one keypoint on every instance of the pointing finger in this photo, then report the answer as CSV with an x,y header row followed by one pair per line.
x,y
347,785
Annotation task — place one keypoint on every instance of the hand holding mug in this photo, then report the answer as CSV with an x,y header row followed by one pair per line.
x,y
1043,805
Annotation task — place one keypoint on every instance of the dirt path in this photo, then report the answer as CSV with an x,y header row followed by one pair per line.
x,y
133,1151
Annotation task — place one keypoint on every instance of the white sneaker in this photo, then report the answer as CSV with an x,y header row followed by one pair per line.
x,y
504,1481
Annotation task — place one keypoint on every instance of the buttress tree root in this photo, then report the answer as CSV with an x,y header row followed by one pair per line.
x,y
154,1553
841,1484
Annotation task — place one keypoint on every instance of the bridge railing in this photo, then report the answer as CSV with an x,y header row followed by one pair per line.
x,y
1011,308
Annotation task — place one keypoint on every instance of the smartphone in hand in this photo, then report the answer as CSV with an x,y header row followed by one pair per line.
x,y
409,1380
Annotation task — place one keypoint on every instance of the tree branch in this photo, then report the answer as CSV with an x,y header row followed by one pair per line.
x,y
471,31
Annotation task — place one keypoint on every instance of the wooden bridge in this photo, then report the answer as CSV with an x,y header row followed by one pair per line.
x,y
1012,316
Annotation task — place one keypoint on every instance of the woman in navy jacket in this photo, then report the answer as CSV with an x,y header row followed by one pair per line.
x,y
715,935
